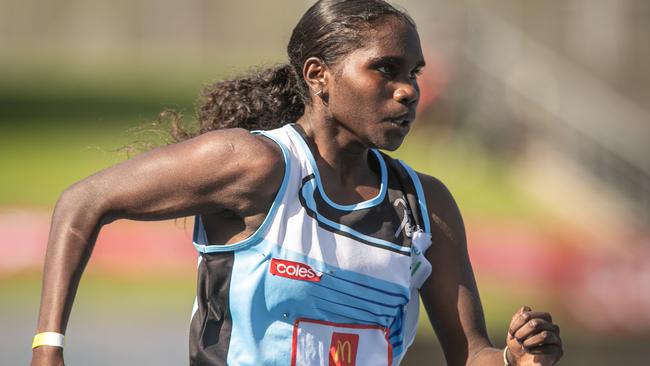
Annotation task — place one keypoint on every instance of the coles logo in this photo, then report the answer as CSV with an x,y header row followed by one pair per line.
x,y
294,270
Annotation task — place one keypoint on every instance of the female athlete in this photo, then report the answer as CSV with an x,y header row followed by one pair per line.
x,y
313,245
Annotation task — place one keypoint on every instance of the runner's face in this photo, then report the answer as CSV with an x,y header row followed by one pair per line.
x,y
374,91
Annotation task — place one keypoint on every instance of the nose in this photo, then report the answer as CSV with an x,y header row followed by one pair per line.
x,y
406,94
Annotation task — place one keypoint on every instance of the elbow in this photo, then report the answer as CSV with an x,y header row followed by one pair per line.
x,y
82,201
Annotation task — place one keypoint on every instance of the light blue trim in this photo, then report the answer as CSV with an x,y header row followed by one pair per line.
x,y
257,236
309,200
424,212
358,206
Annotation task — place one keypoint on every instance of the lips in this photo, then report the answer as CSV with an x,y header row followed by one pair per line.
x,y
402,121
402,125
404,118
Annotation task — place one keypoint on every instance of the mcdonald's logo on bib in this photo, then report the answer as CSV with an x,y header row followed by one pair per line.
x,y
321,343
343,349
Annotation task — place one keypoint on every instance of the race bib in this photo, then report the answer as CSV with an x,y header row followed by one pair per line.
x,y
317,342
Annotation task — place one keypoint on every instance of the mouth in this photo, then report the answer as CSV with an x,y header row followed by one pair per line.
x,y
401,125
403,121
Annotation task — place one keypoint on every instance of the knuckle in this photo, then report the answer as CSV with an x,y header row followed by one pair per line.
x,y
534,323
519,339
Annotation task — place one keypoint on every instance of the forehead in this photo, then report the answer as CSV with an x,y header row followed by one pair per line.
x,y
390,38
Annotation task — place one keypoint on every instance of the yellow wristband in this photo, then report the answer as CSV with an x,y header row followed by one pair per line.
x,y
505,357
48,339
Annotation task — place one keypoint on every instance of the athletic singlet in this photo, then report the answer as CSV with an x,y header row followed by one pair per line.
x,y
318,283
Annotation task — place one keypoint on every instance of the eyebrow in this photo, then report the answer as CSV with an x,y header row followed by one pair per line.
x,y
395,60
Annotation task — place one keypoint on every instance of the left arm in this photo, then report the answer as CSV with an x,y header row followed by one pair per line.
x,y
452,301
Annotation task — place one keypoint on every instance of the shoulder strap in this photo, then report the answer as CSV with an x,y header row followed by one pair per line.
x,y
412,188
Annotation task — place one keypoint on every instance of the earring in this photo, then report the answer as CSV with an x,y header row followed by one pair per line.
x,y
322,96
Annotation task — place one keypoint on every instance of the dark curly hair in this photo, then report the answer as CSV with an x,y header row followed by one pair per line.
x,y
266,99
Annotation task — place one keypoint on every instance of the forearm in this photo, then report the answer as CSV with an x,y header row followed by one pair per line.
x,y
74,229
487,356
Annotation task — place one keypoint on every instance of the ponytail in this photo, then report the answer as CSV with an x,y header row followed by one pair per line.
x,y
261,100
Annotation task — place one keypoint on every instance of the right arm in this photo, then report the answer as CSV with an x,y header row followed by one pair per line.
x,y
451,298
205,175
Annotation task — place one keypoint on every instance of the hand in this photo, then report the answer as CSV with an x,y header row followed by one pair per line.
x,y
533,339
47,356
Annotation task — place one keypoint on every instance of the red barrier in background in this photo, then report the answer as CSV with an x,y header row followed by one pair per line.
x,y
605,291
122,247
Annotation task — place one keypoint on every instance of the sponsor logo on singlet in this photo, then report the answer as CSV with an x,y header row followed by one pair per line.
x,y
293,270
343,349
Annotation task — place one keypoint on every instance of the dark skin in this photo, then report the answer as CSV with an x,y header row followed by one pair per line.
x,y
367,100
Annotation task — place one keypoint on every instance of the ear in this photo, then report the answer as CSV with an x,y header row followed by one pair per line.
x,y
316,74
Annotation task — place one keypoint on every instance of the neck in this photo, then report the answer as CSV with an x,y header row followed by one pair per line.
x,y
341,158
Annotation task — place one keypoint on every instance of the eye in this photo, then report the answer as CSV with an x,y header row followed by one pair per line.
x,y
417,72
386,69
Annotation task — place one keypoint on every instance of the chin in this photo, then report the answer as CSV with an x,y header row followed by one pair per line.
x,y
390,144
391,148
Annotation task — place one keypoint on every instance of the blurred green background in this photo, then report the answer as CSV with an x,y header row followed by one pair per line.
x,y
534,114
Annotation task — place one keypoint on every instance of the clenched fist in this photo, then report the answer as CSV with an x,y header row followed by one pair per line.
x,y
533,339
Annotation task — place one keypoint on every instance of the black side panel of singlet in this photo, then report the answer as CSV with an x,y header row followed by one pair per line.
x,y
408,187
212,323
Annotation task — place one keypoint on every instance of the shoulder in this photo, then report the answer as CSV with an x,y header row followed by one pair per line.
x,y
239,156
441,206
235,144
238,147
436,192
443,210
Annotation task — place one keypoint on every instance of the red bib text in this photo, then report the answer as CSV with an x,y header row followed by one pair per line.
x,y
293,270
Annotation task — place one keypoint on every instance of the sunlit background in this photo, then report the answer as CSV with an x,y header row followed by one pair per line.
x,y
536,114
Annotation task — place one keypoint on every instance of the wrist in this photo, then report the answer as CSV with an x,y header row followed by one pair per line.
x,y
48,339
47,352
507,357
